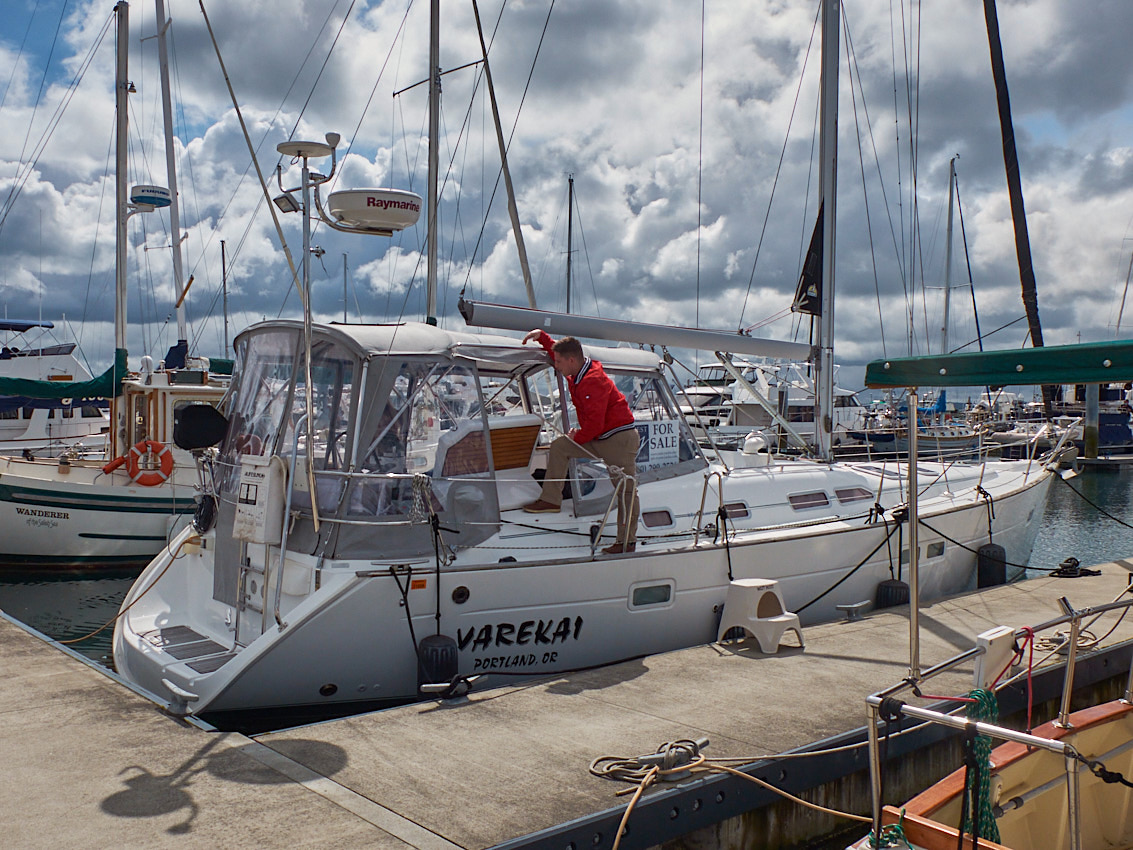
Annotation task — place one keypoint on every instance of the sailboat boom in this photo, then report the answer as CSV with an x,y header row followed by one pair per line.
x,y
564,324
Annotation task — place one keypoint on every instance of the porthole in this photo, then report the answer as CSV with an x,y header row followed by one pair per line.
x,y
802,501
652,594
736,510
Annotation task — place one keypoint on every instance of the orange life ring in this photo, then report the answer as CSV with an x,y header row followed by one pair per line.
x,y
149,477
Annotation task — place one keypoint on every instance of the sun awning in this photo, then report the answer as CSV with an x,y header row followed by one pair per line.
x,y
1087,363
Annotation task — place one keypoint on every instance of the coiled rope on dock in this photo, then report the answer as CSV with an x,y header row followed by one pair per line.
x,y
680,760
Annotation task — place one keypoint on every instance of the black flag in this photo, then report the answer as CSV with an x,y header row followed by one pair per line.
x,y
808,295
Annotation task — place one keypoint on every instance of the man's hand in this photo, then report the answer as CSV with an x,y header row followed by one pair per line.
x,y
532,335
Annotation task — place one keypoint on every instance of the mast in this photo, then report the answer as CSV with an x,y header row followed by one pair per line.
x,y
1015,190
1124,292
570,232
827,187
948,257
224,289
344,320
121,87
171,172
434,133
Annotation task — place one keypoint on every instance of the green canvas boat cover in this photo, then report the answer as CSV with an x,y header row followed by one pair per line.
x,y
220,365
1086,363
106,385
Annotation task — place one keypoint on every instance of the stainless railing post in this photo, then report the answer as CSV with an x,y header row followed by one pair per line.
x,y
1073,800
1127,697
1071,659
703,498
874,768
914,545
286,518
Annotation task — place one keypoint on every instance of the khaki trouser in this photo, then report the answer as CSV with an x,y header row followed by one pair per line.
x,y
619,452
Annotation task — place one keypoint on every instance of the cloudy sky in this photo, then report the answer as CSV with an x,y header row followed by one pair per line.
x,y
689,128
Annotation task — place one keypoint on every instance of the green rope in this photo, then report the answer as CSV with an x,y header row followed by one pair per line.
x,y
892,835
985,708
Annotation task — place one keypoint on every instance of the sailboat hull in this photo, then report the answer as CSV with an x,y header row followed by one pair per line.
x,y
83,517
352,638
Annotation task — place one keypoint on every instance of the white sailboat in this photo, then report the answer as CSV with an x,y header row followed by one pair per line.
x,y
34,426
369,543
76,512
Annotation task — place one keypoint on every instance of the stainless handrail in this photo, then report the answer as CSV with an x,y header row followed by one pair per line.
x,y
704,497
1074,618
287,518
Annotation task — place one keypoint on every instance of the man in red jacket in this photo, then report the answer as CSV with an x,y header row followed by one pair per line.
x,y
605,431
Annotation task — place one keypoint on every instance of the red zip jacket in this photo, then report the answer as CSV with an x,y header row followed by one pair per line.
x,y
602,409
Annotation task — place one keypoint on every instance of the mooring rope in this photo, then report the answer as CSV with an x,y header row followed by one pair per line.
x,y
979,820
679,760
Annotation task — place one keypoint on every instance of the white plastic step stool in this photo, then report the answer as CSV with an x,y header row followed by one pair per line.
x,y
756,606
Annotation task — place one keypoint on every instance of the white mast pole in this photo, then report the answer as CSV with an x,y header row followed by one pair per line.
x,y
121,86
828,182
224,289
171,170
570,233
434,133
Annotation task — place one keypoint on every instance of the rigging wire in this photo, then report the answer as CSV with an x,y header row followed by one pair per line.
x,y
700,168
586,254
234,256
96,242
43,80
25,173
778,171
252,163
323,67
852,62
19,56
968,263
554,230
515,123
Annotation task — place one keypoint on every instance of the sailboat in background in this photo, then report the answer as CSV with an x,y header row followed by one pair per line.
x,y
86,513
30,425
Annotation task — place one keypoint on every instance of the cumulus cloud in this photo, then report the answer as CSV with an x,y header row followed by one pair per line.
x,y
695,169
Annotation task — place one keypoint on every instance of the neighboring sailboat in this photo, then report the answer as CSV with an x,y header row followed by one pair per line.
x,y
90,513
30,426
369,542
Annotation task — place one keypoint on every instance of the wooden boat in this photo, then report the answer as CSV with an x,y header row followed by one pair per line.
x,y
1030,792
1066,784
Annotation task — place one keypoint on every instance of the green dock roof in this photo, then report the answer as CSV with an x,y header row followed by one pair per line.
x,y
1086,363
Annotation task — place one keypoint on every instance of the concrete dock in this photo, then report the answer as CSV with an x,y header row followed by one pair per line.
x,y
90,763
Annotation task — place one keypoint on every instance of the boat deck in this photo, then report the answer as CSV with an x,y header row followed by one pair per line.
x,y
89,762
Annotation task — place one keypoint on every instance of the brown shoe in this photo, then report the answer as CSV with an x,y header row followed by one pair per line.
x,y
539,506
619,549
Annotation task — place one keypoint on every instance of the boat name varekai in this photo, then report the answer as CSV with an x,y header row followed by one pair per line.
x,y
508,634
